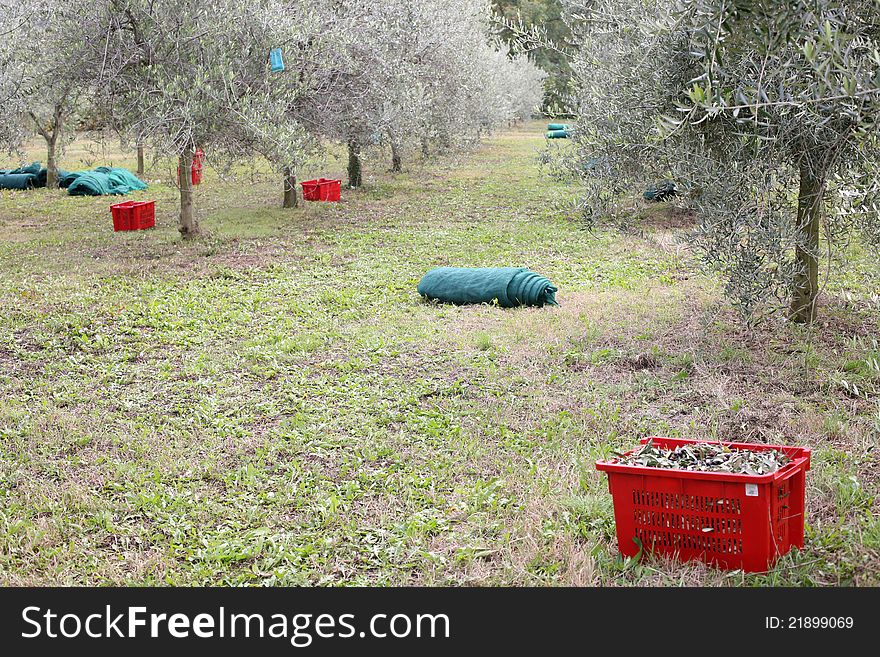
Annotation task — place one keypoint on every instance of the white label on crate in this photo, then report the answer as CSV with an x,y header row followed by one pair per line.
x,y
751,490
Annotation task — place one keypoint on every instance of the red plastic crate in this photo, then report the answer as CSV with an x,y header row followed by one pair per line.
x,y
732,521
310,190
321,189
330,190
133,215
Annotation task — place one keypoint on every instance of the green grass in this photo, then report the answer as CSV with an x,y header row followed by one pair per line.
x,y
274,404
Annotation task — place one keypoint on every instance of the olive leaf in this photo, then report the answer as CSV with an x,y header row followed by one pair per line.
x,y
707,457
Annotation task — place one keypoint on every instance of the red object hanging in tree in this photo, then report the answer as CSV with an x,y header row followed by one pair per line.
x,y
196,169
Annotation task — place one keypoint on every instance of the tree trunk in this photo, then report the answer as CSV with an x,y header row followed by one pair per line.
x,y
426,148
188,226
52,139
51,163
140,170
290,198
51,134
355,178
396,160
806,280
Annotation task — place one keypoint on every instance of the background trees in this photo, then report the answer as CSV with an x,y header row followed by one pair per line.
x,y
549,16
180,75
424,73
187,75
12,19
195,74
764,111
50,71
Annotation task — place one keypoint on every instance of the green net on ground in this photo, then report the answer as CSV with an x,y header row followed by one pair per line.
x,y
97,182
17,180
103,181
510,286
26,177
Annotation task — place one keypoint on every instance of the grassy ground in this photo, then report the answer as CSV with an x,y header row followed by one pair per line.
x,y
273,404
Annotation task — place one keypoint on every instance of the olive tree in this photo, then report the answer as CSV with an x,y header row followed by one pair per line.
x,y
190,74
416,73
516,16
12,77
514,90
764,111
46,51
387,61
482,82
302,96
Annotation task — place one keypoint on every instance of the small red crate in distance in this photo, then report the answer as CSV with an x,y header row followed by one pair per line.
x,y
121,215
133,215
310,190
330,190
732,521
321,189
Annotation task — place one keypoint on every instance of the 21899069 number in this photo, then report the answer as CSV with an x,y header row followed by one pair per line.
x,y
810,623
820,622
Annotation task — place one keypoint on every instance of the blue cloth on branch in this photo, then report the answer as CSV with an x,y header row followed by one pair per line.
x,y
276,60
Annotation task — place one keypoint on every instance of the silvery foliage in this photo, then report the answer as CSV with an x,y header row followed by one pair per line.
x,y
526,90
12,76
428,70
195,73
516,89
731,98
44,64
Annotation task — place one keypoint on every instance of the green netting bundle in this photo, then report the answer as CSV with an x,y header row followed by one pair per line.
x,y
17,180
661,191
68,178
25,177
102,181
43,176
510,286
33,168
